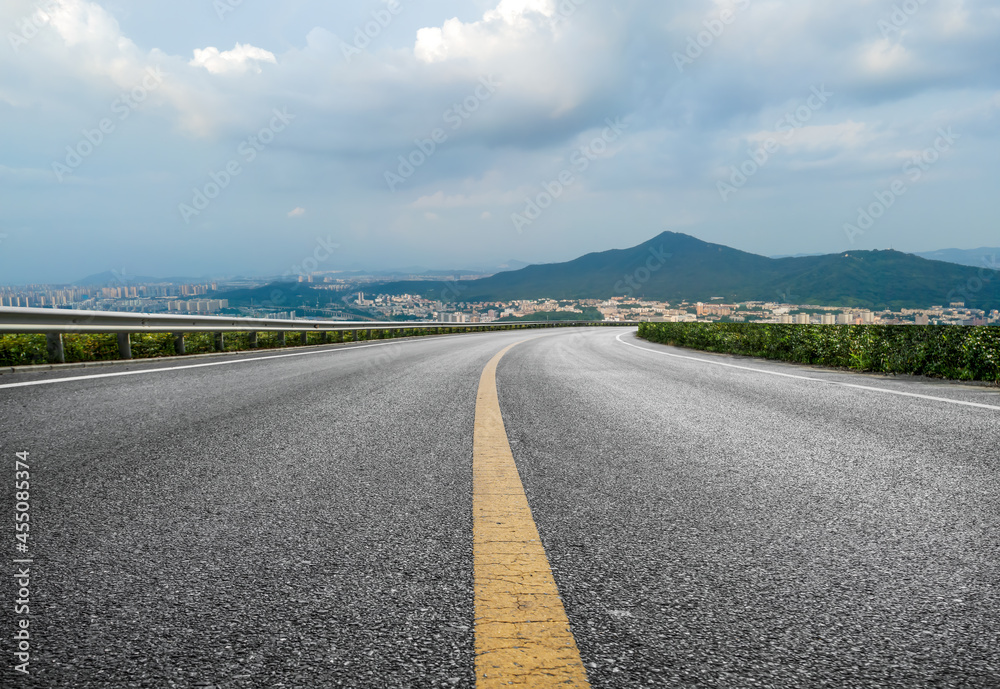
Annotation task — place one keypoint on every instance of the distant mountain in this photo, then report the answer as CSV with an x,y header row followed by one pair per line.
x,y
113,278
985,257
676,266
432,272
511,265
417,270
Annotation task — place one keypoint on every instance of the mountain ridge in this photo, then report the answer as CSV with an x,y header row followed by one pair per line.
x,y
674,266
983,257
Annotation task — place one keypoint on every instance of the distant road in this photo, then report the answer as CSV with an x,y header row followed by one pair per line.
x,y
307,520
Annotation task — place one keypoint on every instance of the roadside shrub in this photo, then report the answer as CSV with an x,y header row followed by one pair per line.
x,y
941,351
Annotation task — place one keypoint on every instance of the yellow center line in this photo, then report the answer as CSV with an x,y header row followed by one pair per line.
x,y
523,637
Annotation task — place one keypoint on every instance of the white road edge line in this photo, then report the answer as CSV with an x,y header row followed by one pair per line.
x,y
813,380
69,379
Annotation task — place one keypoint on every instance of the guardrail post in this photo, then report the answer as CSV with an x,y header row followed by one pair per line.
x,y
354,335
54,348
124,346
179,344
281,338
326,337
253,340
220,342
304,338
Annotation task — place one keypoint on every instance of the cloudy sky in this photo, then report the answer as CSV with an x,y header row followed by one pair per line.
x,y
197,137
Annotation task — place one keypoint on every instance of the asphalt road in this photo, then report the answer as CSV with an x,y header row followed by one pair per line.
x,y
305,521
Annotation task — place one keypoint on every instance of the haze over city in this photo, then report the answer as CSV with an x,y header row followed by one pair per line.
x,y
432,133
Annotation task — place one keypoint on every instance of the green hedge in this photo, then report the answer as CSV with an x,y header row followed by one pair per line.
x,y
941,351
25,350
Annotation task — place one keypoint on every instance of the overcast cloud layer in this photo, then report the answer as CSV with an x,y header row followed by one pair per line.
x,y
195,137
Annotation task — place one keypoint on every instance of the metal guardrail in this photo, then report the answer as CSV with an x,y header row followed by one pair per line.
x,y
54,323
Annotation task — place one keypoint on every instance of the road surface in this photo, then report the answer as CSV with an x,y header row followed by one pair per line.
x,y
307,520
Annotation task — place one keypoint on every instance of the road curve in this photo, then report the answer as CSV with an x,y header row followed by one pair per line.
x,y
307,520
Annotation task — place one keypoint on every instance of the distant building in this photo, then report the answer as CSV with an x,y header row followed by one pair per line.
x,y
197,305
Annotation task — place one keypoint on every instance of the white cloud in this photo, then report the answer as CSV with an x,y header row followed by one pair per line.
x,y
441,200
485,195
884,56
499,29
844,135
240,59
556,82
549,57
80,22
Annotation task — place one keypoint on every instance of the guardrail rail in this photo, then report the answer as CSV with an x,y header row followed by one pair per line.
x,y
54,323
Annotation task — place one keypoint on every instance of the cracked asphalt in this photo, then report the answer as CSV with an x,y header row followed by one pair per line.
x,y
306,521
